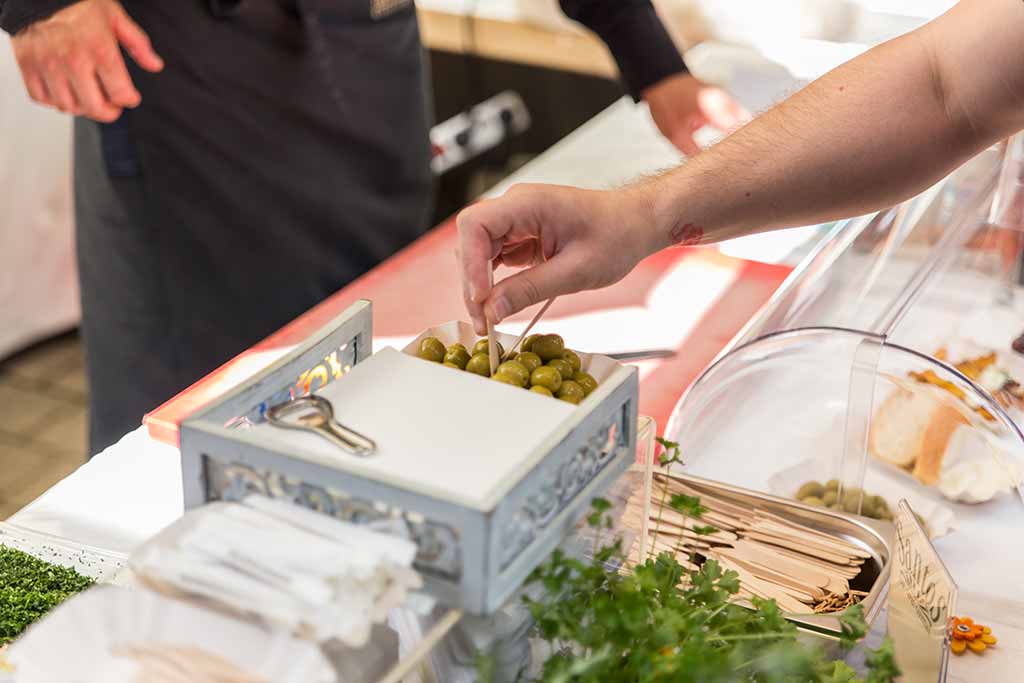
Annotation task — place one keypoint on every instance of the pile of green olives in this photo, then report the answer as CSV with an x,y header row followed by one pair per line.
x,y
827,496
543,365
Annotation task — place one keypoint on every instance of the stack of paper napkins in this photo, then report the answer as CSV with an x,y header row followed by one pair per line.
x,y
288,566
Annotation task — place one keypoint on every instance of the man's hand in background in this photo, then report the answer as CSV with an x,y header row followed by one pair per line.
x,y
72,60
681,105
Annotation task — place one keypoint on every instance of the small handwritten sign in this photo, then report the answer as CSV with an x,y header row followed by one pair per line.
x,y
922,599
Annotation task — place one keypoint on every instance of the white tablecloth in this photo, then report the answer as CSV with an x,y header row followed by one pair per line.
x,y
115,501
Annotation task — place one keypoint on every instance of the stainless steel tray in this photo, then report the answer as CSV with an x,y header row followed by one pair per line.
x,y
102,565
873,536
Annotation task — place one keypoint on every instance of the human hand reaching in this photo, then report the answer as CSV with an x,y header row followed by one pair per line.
x,y
72,60
564,239
681,105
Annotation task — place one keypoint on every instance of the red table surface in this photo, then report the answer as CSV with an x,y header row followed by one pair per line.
x,y
419,287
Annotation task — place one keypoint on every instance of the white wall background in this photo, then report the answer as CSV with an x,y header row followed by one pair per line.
x,y
38,281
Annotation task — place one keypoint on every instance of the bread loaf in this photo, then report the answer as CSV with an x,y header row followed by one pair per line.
x,y
912,429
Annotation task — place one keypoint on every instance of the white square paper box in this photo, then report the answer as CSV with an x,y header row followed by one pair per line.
x,y
488,478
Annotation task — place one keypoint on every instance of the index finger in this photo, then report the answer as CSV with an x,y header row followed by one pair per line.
x,y
116,82
476,252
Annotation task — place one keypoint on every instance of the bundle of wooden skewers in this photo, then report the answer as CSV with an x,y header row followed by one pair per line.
x,y
803,569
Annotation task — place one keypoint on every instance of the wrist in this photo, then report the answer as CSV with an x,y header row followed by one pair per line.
x,y
640,212
666,218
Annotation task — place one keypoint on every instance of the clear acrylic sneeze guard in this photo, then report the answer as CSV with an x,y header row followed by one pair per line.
x,y
887,357
891,362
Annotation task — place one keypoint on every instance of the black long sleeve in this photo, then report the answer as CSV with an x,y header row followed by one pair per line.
x,y
17,14
635,35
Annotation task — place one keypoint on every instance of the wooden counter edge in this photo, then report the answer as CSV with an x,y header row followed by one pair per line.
x,y
518,42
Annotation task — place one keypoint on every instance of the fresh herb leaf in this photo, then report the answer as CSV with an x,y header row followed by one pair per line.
x,y
663,623
29,588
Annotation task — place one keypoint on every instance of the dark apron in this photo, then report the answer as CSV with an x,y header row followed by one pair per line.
x,y
282,153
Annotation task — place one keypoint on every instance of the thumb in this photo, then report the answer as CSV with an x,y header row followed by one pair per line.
x,y
526,288
135,40
683,138
721,110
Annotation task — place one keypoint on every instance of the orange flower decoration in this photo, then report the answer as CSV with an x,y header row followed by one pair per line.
x,y
966,635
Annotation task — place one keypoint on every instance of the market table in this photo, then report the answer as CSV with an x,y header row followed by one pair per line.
x,y
692,300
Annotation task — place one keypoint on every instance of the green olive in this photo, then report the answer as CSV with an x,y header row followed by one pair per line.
x,y
457,356
482,347
507,378
570,392
563,367
531,360
573,358
538,389
449,364
586,381
514,367
885,514
832,485
547,377
511,355
527,344
549,347
431,349
879,503
851,499
830,498
455,346
811,488
813,500
479,364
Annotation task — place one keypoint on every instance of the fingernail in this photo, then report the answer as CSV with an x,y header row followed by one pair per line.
x,y
472,292
500,308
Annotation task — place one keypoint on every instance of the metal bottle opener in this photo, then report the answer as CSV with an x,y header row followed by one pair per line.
x,y
316,414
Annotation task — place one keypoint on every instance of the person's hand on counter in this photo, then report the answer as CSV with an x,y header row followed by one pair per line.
x,y
681,105
873,132
72,60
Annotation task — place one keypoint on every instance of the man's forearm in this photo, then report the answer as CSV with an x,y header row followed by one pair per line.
x,y
871,133
856,140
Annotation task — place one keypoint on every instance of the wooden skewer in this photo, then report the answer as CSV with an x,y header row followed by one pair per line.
x,y
805,571
768,519
710,502
668,538
796,545
844,571
678,521
492,343
807,588
529,327
423,648
810,540
767,589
